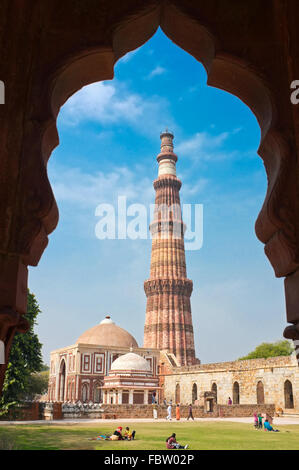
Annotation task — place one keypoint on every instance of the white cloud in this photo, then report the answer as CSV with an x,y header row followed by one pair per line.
x,y
203,147
196,188
72,185
101,102
156,71
110,104
201,141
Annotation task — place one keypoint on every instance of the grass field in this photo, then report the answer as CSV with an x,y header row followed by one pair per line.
x,y
149,436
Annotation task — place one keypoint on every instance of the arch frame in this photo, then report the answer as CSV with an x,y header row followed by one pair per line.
x,y
54,77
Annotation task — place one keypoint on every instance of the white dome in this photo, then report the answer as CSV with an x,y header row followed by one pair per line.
x,y
107,321
130,361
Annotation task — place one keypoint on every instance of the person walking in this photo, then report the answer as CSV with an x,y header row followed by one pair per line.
x,y
155,411
168,417
229,401
190,414
154,398
178,412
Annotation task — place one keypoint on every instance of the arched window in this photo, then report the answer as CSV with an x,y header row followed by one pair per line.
x,y
260,396
97,393
177,393
62,380
288,395
214,389
85,391
194,393
236,394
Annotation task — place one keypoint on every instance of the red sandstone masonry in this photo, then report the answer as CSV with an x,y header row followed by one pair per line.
x,y
168,323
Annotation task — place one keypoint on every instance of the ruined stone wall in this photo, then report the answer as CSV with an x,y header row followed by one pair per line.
x,y
272,372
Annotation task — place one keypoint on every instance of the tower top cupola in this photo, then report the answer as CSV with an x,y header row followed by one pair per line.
x,y
167,158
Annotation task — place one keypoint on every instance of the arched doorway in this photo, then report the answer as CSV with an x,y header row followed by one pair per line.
x,y
177,393
62,374
97,393
260,395
85,392
236,394
214,389
194,393
288,394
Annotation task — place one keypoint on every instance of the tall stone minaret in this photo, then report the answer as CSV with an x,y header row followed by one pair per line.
x,y
168,323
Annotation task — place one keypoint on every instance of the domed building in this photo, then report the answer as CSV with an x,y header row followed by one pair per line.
x,y
77,372
131,381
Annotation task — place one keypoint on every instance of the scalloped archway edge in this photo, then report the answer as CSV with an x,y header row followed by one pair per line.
x,y
55,73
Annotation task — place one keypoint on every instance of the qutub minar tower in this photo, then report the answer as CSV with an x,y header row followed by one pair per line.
x,y
168,323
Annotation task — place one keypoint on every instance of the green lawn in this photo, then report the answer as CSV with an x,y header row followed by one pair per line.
x,y
150,436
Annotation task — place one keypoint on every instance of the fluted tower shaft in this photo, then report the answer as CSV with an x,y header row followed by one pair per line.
x,y
168,323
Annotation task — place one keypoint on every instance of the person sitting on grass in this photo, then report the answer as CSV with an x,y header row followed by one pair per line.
x,y
117,435
171,443
128,435
268,427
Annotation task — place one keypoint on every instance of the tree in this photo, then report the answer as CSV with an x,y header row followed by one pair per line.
x,y
264,350
37,384
25,359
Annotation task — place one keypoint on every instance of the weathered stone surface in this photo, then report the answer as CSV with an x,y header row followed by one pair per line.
x,y
272,372
168,322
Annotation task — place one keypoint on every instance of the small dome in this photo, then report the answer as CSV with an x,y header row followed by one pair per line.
x,y
130,361
107,333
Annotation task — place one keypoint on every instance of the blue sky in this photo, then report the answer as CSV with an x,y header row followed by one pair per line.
x,y
109,140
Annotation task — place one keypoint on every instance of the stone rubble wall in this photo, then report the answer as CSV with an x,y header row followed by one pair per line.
x,y
272,372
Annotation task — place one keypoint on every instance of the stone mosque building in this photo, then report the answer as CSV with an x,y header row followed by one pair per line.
x,y
106,365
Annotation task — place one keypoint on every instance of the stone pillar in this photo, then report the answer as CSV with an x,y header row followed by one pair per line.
x,y
146,397
131,397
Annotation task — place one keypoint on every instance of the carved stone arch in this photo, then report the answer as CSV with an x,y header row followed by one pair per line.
x,y
214,389
62,380
85,392
194,393
260,393
225,71
236,393
288,395
84,59
97,391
